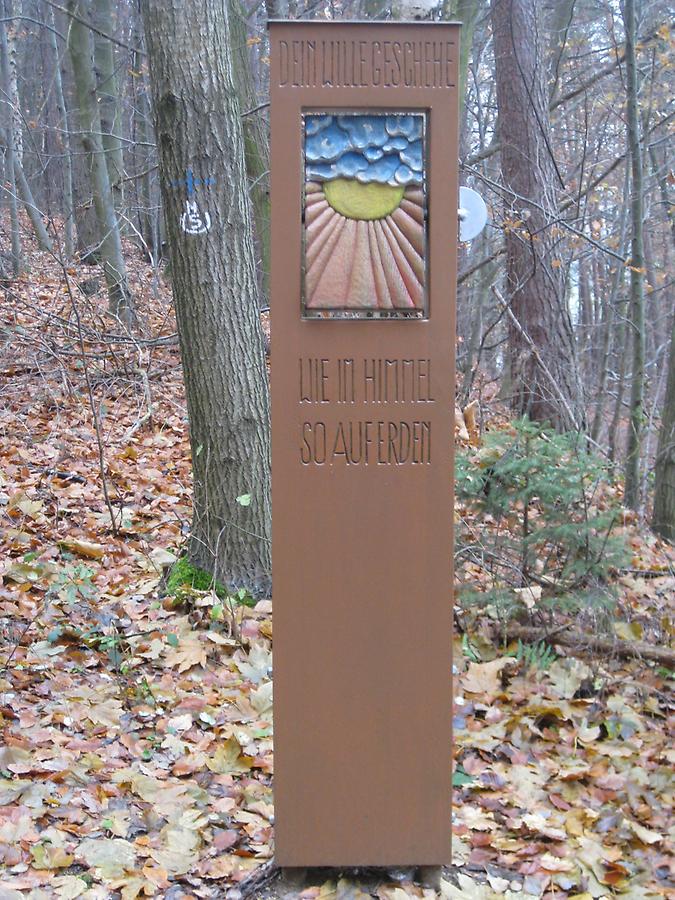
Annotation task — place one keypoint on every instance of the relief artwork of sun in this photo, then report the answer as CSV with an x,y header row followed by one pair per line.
x,y
365,213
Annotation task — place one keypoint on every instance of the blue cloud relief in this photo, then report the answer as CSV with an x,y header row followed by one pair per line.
x,y
382,148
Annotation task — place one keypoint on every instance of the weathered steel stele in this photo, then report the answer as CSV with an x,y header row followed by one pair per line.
x,y
364,219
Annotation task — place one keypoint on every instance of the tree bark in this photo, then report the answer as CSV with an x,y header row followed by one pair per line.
x,y
466,12
34,214
198,128
530,177
16,120
661,173
112,259
663,520
637,302
19,182
64,140
144,158
561,16
585,326
109,101
84,211
622,353
608,320
10,153
256,140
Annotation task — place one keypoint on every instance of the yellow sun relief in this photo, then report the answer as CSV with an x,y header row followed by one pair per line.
x,y
366,202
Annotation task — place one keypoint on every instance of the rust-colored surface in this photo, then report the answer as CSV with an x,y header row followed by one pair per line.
x,y
362,434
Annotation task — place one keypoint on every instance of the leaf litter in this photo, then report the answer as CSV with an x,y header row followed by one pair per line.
x,y
136,751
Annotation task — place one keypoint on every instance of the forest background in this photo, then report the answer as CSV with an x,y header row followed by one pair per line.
x,y
135,624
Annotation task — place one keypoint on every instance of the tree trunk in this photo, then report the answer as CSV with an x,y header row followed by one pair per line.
x,y
112,259
10,154
620,348
585,326
109,101
199,131
466,12
663,520
256,140
9,138
562,12
661,173
608,319
530,176
34,214
84,212
637,303
16,120
63,140
664,488
143,157
277,9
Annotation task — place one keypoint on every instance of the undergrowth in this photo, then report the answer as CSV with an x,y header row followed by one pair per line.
x,y
538,523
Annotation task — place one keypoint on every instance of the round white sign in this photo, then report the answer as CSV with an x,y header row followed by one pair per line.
x,y
472,212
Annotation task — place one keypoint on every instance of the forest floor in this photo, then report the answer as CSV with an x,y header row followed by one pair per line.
x,y
136,751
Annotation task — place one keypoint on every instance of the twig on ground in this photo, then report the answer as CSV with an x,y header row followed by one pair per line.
x,y
94,409
146,417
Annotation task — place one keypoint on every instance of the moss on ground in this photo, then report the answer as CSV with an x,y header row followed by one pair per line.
x,y
185,576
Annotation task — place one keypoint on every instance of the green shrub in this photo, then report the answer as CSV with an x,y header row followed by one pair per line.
x,y
538,517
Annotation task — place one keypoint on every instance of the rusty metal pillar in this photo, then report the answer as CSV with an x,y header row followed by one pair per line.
x,y
364,234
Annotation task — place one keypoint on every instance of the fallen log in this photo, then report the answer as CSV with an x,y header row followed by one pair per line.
x,y
566,637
